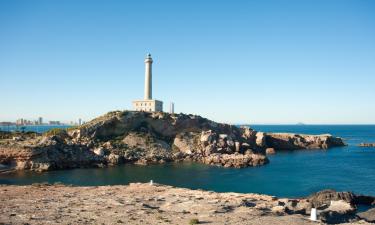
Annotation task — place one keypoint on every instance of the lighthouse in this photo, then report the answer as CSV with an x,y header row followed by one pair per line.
x,y
148,104
148,77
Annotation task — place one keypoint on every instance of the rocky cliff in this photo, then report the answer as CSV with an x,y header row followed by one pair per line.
x,y
142,137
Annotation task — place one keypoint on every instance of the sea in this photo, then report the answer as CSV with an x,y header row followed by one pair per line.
x,y
35,128
289,173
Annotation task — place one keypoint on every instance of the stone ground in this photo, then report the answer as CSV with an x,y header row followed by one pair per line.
x,y
137,204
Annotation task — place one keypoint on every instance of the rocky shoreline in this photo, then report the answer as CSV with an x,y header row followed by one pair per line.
x,y
160,204
143,138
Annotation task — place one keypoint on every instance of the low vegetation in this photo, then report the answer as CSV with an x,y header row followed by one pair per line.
x,y
56,132
193,221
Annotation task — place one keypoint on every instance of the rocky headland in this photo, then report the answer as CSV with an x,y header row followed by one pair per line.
x,y
160,204
142,138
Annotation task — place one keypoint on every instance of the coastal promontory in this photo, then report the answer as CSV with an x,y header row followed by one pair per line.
x,y
150,137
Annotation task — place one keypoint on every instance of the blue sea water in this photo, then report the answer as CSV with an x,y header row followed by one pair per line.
x,y
289,173
35,128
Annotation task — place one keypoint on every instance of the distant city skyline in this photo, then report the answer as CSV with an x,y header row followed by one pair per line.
x,y
239,62
40,121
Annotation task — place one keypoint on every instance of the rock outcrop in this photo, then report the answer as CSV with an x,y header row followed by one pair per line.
x,y
143,137
368,216
340,207
324,197
47,153
286,141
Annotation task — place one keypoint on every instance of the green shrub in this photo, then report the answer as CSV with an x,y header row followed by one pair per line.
x,y
72,128
55,131
194,221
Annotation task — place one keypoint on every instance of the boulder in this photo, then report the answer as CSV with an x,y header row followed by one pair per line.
x,y
325,197
186,143
248,134
99,151
338,212
279,210
134,139
114,159
270,151
368,216
223,136
295,206
17,138
207,137
260,139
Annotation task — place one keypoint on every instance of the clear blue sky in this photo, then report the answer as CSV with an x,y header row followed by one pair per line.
x,y
278,62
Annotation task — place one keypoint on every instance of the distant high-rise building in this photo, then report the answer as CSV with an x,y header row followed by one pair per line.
x,y
171,108
54,123
40,120
20,121
80,121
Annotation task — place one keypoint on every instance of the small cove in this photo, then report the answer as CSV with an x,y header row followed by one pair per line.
x,y
289,173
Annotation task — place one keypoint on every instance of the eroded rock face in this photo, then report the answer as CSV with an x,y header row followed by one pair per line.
x,y
186,143
143,137
48,154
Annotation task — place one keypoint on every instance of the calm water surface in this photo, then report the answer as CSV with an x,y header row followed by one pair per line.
x,y
289,174
35,128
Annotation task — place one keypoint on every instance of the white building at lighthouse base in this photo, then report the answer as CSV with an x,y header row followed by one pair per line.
x,y
148,105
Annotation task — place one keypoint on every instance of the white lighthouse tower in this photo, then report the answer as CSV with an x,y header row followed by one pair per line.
x,y
148,104
148,77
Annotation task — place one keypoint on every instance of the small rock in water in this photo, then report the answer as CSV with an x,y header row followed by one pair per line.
x,y
270,151
367,145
